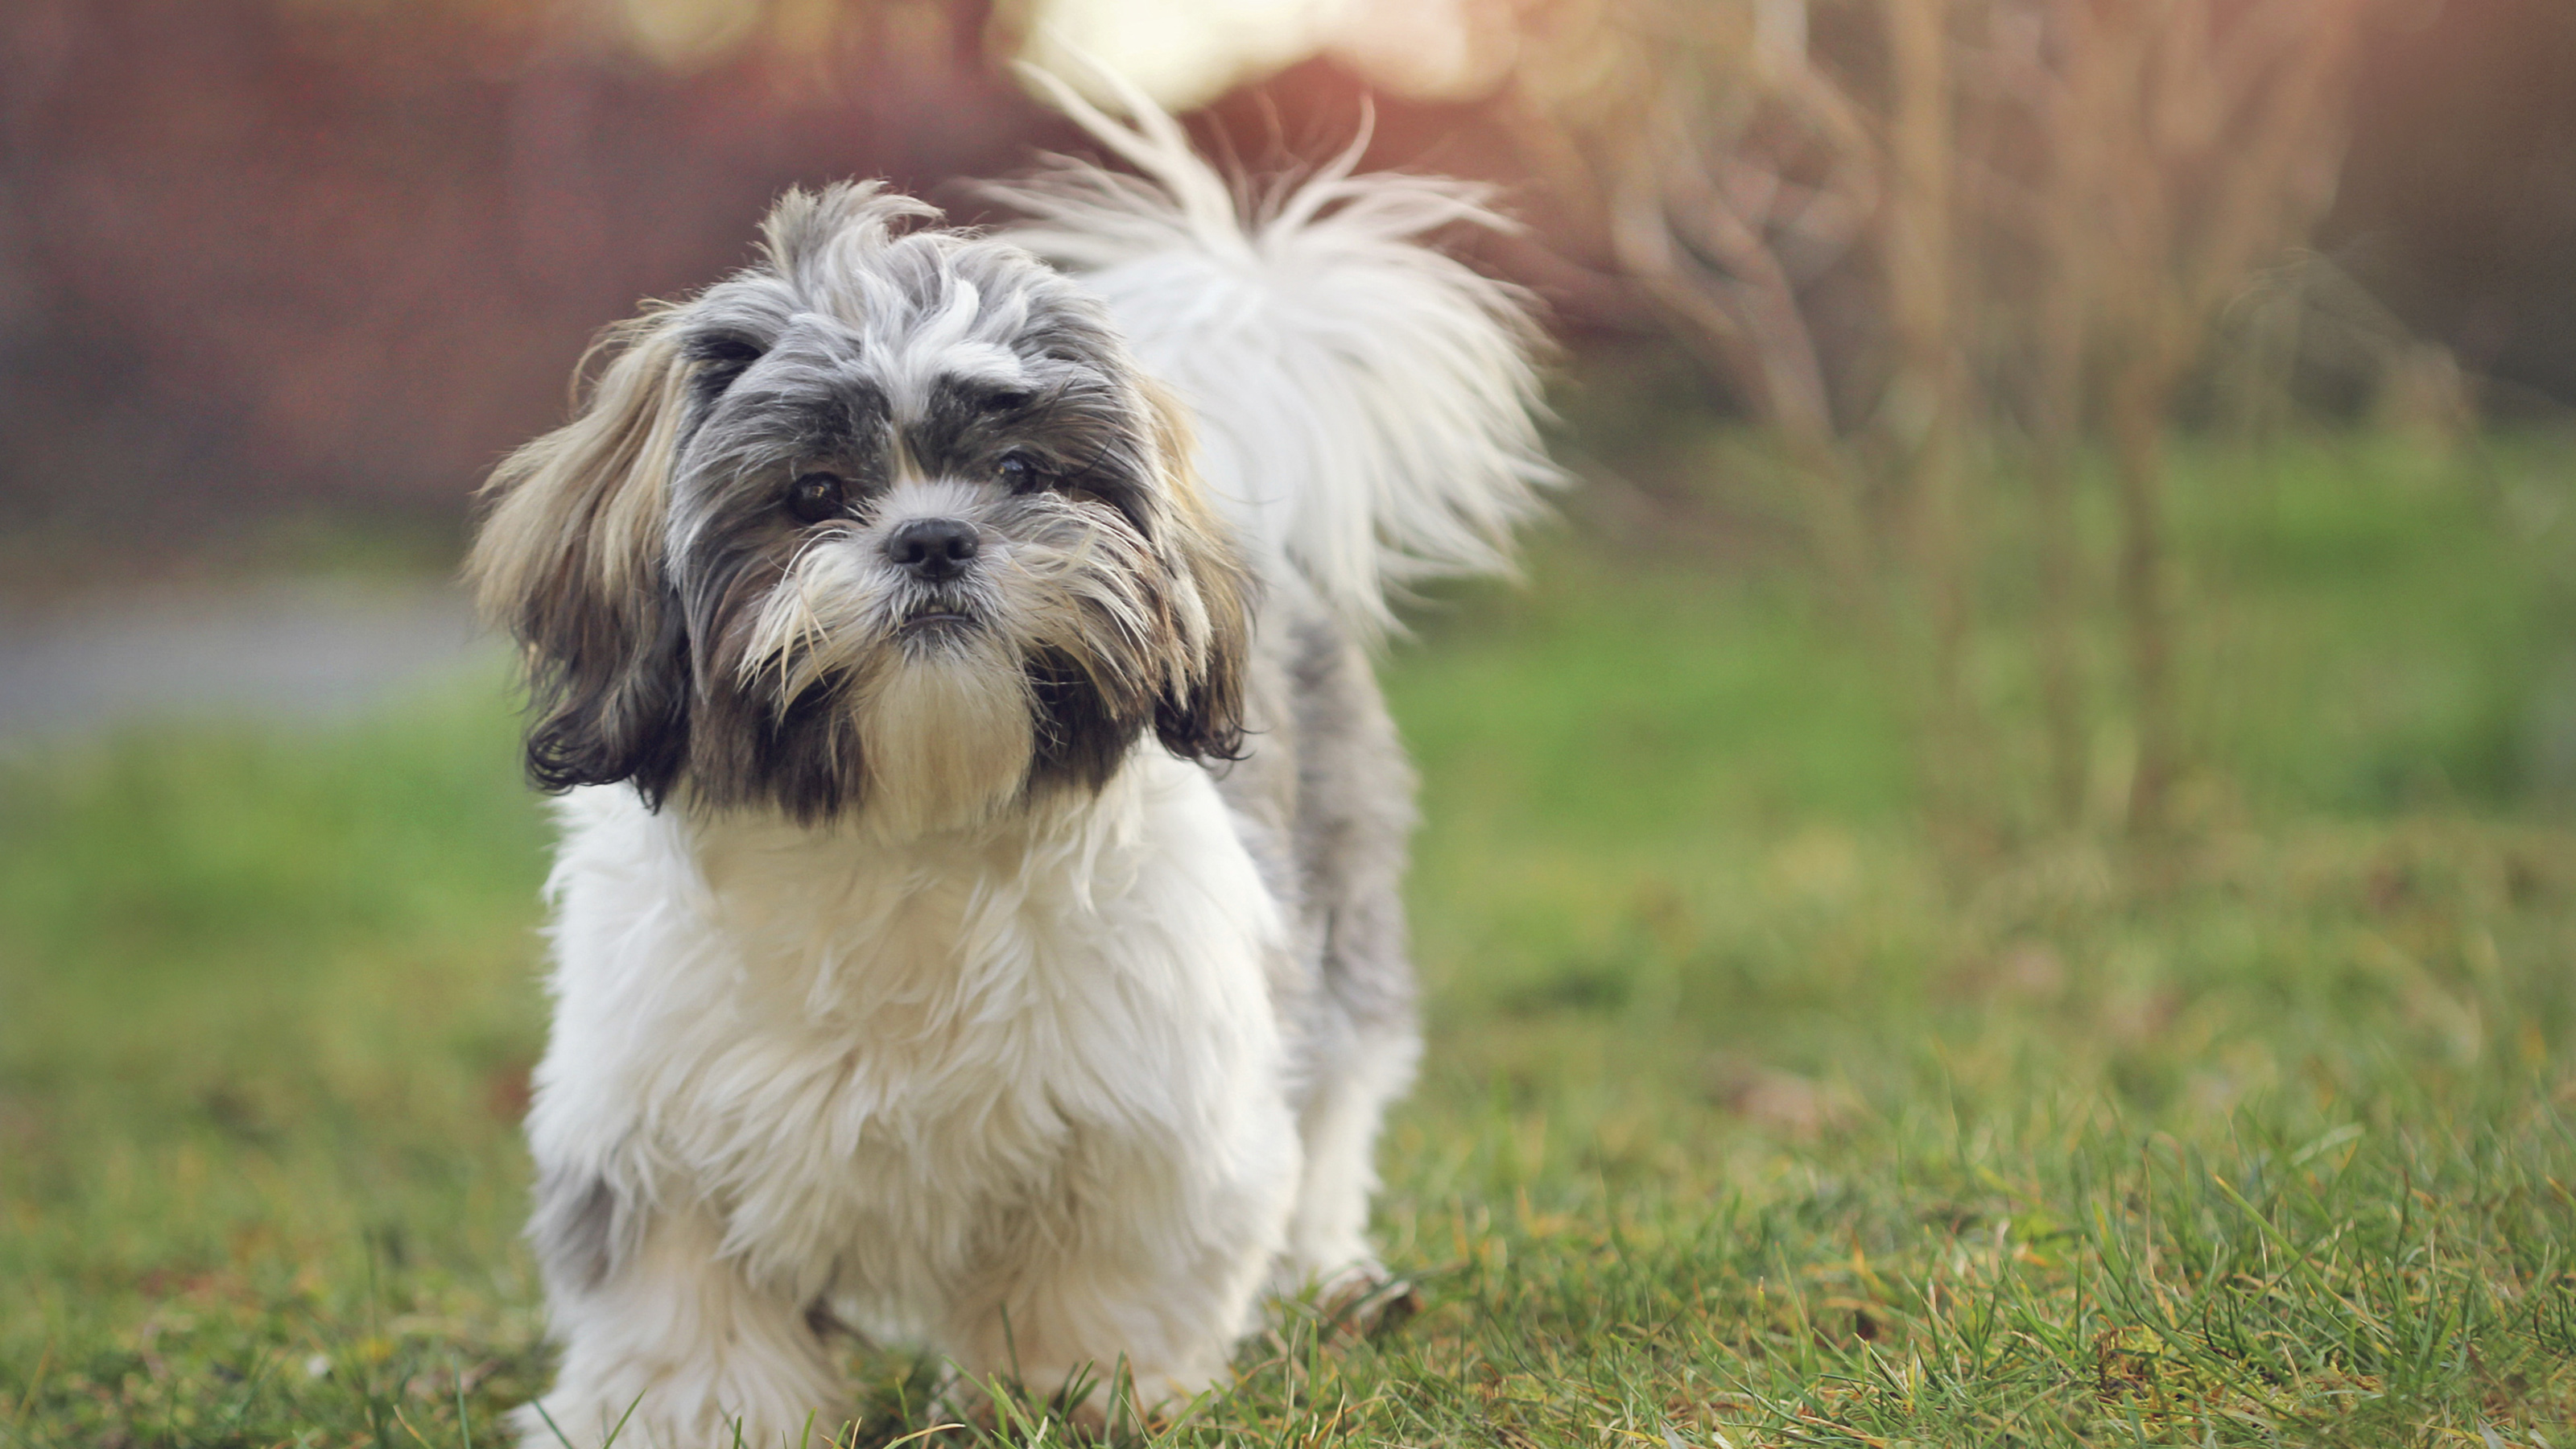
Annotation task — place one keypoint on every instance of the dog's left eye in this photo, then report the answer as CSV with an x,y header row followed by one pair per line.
x,y
1019,470
814,497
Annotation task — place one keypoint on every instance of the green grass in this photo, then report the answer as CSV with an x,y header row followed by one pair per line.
x,y
1747,1118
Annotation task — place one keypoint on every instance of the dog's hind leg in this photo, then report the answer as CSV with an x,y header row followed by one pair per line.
x,y
1354,812
1328,1249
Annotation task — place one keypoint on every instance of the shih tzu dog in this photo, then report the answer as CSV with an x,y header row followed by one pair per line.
x,y
977,918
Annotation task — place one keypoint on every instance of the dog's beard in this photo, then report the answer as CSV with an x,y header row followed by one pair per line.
x,y
948,738
950,700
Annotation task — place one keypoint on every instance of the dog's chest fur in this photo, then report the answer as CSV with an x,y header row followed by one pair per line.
x,y
897,1071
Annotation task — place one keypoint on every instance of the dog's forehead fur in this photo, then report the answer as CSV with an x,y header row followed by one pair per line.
x,y
839,296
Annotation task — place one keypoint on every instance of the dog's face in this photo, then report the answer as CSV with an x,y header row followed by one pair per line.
x,y
886,525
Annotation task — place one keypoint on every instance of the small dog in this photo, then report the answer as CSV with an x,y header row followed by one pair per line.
x,y
977,917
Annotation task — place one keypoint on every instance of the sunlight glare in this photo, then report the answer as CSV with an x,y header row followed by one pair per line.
x,y
1185,53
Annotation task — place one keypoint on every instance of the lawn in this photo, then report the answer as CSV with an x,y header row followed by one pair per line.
x,y
1748,1115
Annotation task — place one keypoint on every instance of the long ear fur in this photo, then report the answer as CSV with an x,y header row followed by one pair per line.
x,y
569,560
1198,714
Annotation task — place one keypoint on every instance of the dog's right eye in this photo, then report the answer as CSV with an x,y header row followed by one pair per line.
x,y
814,497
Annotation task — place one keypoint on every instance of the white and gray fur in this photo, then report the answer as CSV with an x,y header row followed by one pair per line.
x,y
992,942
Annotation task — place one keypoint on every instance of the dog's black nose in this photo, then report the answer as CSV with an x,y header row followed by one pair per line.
x,y
932,548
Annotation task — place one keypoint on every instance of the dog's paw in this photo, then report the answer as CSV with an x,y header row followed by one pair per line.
x,y
560,1422
1371,1305
1362,1300
1091,1401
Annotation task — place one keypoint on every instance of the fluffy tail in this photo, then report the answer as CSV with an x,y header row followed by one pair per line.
x,y
1364,402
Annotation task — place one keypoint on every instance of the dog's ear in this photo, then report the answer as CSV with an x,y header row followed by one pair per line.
x,y
1198,713
569,560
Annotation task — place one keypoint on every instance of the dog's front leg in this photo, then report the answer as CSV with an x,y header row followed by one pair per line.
x,y
672,1340
1151,1279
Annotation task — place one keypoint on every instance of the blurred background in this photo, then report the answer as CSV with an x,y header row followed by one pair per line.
x,y
267,255
2061,641
279,279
